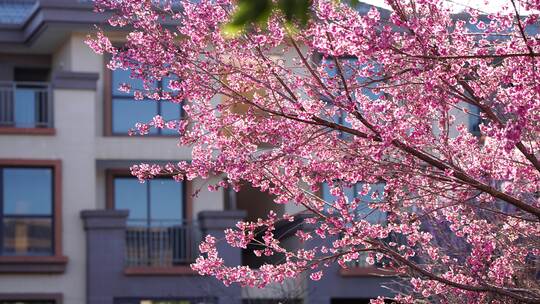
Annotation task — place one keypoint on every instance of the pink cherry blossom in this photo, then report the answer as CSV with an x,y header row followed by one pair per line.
x,y
440,108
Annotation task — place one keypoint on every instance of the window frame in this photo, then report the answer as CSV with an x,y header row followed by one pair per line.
x,y
55,263
108,97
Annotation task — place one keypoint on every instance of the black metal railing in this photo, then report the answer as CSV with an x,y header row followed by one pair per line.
x,y
26,104
161,243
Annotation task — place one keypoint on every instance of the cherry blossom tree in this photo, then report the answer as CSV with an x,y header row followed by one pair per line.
x,y
358,98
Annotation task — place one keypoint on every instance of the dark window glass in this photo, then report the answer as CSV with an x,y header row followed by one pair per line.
x,y
27,236
31,74
26,211
126,111
27,302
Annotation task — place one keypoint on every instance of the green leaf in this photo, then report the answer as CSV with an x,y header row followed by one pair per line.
x,y
248,12
295,10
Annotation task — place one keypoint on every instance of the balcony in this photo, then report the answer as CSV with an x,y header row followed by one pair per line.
x,y
136,260
26,107
161,243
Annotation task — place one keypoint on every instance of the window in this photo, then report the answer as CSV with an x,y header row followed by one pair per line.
x,y
126,111
350,67
373,194
27,211
157,202
474,120
159,233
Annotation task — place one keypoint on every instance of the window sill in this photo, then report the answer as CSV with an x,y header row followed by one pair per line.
x,y
27,131
366,272
33,264
159,271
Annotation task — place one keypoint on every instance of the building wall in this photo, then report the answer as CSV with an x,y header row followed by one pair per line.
x,y
80,145
74,145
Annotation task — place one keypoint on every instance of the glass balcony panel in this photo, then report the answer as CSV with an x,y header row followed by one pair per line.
x,y
25,105
25,108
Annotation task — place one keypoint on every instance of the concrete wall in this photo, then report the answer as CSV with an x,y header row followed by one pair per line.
x,y
74,144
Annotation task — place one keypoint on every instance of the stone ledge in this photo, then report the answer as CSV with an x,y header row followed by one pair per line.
x,y
104,219
74,80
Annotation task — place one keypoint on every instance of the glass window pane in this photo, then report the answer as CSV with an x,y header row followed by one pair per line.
x,y
27,191
130,194
170,111
119,77
374,195
25,108
127,112
165,83
349,193
27,236
326,193
166,201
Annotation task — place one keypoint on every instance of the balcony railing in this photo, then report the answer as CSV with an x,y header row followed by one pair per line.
x,y
161,243
26,104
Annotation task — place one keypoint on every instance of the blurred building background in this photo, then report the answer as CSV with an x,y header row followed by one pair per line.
x,y
75,227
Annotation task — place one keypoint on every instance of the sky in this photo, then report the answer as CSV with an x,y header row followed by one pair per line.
x,y
488,6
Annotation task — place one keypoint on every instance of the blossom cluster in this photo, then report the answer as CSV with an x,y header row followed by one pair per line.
x,y
359,97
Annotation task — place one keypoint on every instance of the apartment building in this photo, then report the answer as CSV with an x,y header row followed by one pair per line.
x,y
75,227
